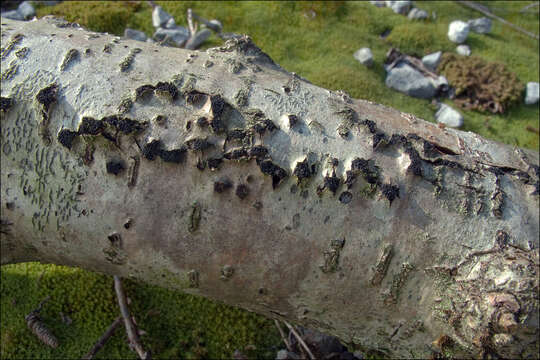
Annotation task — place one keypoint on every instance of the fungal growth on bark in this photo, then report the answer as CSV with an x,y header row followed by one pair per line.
x,y
240,176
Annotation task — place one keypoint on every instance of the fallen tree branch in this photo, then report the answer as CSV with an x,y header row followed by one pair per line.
x,y
474,6
103,339
131,330
220,174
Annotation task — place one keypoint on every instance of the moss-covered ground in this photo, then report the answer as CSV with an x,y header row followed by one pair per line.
x,y
177,325
316,40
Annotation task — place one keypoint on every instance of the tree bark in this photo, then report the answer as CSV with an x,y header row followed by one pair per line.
x,y
221,174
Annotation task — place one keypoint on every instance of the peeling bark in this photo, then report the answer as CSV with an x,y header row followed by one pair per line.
x,y
339,214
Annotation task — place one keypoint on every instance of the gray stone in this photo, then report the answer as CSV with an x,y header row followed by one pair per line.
x,y
195,41
13,15
177,36
417,14
170,24
215,25
365,56
160,17
400,7
358,355
448,116
464,50
458,31
286,355
406,79
431,61
378,3
135,34
26,10
440,82
531,96
480,25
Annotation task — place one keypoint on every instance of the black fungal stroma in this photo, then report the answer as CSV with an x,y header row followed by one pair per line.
x,y
47,96
222,185
5,103
115,166
66,137
302,170
332,183
391,192
242,191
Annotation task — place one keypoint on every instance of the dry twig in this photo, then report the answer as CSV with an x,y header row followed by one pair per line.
x,y
133,336
192,27
300,340
535,4
103,339
482,9
287,344
532,129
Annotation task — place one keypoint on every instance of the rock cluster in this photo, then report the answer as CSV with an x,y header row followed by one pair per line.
x,y
167,31
458,30
25,11
403,7
409,78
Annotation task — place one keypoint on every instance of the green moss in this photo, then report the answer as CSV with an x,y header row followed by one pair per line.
x,y
414,40
101,16
177,324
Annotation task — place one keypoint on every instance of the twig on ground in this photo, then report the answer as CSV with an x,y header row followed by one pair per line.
x,y
192,27
287,344
477,7
133,336
103,339
532,129
300,340
529,6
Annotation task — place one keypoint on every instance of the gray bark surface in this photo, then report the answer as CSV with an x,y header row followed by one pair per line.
x,y
223,175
